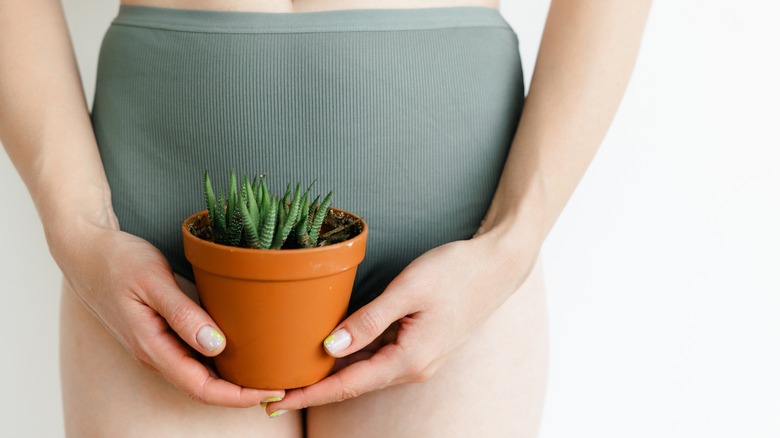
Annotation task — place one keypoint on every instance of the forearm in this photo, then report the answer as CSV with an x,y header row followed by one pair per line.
x,y
44,119
585,60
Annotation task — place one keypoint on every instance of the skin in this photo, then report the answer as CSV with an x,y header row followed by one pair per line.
x,y
442,352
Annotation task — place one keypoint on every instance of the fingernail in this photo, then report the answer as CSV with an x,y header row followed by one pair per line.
x,y
338,341
277,413
209,338
265,402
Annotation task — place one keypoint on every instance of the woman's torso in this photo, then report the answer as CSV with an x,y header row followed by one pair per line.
x,y
306,5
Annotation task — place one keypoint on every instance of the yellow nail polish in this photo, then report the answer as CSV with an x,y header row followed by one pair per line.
x,y
272,399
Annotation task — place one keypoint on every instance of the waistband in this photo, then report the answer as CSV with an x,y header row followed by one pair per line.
x,y
342,20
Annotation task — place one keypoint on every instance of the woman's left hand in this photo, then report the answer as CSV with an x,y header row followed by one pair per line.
x,y
428,311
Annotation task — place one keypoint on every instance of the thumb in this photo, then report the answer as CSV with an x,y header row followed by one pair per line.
x,y
364,326
188,320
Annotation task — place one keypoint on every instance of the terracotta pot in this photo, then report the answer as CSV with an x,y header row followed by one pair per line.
x,y
274,306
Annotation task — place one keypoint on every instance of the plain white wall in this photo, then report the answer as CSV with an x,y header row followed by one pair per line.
x,y
662,271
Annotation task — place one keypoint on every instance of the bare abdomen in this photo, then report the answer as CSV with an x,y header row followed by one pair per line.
x,y
307,5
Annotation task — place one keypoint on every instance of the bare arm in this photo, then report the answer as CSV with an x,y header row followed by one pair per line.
x,y
44,120
122,279
585,60
587,54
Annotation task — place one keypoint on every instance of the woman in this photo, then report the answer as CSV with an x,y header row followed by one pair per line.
x,y
409,111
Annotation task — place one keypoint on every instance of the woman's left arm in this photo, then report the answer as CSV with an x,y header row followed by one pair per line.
x,y
586,56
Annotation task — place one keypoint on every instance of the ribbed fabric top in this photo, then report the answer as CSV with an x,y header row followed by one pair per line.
x,y
342,20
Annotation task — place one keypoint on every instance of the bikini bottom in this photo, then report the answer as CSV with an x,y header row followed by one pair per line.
x,y
407,115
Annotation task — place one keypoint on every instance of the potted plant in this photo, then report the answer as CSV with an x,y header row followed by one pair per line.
x,y
276,274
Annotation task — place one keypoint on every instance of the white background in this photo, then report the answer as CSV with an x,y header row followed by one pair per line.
x,y
663,271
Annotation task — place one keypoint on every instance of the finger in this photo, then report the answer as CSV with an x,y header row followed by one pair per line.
x,y
352,381
380,371
187,319
365,325
346,361
178,366
388,337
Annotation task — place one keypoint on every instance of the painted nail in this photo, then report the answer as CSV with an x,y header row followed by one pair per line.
x,y
265,402
338,341
277,413
209,338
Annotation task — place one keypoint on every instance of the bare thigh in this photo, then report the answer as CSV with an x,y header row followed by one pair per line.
x,y
493,386
106,393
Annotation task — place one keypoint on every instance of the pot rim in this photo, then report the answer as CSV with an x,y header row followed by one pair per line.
x,y
237,249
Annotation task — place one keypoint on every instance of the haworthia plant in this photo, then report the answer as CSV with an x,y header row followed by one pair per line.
x,y
252,217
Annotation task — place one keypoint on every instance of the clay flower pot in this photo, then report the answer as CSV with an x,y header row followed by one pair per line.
x,y
274,306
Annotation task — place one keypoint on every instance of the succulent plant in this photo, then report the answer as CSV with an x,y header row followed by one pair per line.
x,y
255,218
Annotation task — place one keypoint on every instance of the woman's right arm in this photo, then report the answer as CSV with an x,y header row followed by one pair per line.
x,y
123,280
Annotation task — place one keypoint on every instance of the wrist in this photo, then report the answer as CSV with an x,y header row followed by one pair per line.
x,y
67,215
515,225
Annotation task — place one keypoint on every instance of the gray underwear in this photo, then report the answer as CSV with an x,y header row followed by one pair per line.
x,y
406,114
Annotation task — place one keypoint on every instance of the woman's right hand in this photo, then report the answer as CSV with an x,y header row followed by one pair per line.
x,y
129,286
123,280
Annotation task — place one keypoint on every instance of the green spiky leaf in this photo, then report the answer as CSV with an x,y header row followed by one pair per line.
x,y
319,217
312,212
221,225
235,227
249,223
232,204
211,201
255,184
269,224
288,218
266,197
252,208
